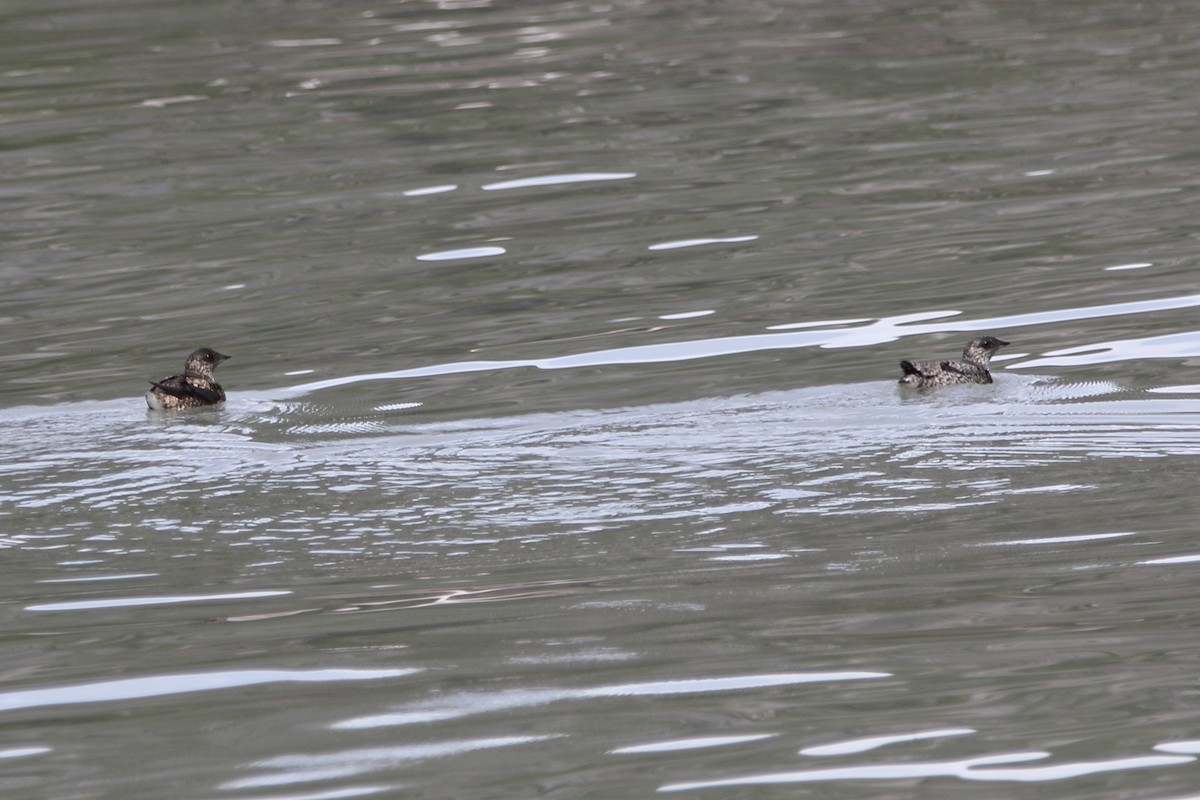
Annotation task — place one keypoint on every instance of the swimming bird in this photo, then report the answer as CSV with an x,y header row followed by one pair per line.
x,y
195,387
973,368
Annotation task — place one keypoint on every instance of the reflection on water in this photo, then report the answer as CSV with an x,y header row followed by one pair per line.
x,y
1175,346
873,742
381,485
557,180
144,601
834,334
971,769
160,685
456,255
305,768
468,705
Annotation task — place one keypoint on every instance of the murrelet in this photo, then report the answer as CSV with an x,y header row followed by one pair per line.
x,y
194,388
973,368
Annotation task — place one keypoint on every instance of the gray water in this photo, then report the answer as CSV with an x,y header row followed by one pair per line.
x,y
563,455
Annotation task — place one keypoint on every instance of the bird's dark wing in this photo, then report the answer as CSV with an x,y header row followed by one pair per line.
x,y
912,369
969,371
175,386
178,386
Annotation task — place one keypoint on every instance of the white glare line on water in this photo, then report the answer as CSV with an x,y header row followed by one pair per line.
x,y
689,686
468,252
697,743
556,180
24,752
698,242
1172,345
1171,560
688,314
883,330
468,703
181,683
1193,388
424,190
875,742
1187,747
93,578
1089,537
123,602
965,769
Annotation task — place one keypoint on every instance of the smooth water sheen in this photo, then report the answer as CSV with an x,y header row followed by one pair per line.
x,y
563,455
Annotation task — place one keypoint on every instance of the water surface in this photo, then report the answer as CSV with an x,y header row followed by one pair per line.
x,y
563,455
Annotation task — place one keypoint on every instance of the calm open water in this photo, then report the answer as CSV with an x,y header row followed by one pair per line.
x,y
563,456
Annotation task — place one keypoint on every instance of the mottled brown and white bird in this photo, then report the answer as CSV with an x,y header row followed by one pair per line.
x,y
194,388
973,368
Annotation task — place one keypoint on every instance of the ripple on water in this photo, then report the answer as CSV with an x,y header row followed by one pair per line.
x,y
838,334
391,189
682,243
557,180
463,254
472,703
981,768
693,743
383,484
875,742
129,602
310,767
182,683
